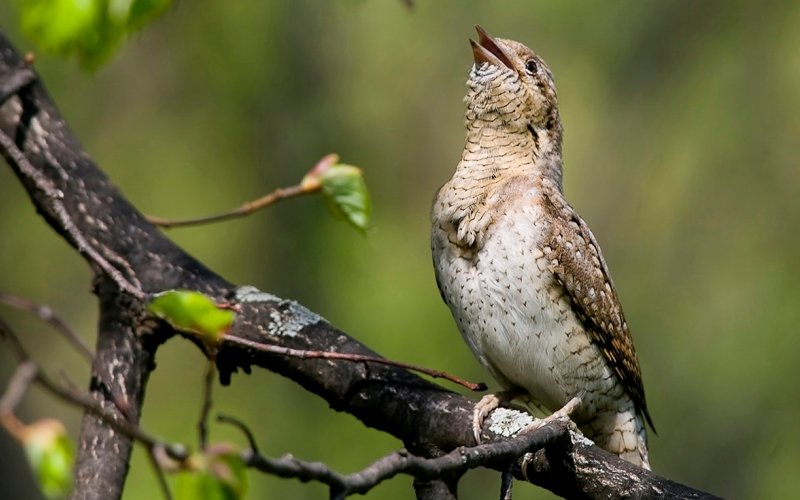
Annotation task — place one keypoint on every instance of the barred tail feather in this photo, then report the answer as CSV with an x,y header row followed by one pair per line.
x,y
622,433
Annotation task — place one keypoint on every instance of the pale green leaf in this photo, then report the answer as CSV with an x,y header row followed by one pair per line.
x,y
346,192
193,312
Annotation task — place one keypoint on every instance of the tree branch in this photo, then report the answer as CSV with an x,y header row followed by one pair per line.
x,y
131,258
45,313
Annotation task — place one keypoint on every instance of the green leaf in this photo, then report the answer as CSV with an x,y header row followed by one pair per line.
x,y
345,191
219,474
51,455
193,312
88,29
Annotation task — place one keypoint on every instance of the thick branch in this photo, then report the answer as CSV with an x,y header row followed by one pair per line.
x,y
119,375
97,220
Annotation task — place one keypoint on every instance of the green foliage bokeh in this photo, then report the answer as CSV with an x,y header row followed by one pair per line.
x,y
681,153
90,30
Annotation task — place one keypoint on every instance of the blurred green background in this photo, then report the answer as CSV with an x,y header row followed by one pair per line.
x,y
682,122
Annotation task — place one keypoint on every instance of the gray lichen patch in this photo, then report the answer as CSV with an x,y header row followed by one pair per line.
x,y
248,293
291,318
288,318
507,422
578,438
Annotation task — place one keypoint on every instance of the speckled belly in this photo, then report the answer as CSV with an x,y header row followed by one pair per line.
x,y
516,319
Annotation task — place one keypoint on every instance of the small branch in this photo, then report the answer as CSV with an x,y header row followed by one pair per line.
x,y
7,333
46,314
86,402
18,385
251,440
159,472
506,484
242,211
16,390
306,186
402,462
361,358
208,387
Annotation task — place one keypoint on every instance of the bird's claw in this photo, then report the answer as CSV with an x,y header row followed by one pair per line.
x,y
488,404
483,408
564,412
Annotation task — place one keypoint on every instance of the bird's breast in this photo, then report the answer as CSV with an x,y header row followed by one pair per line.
x,y
512,312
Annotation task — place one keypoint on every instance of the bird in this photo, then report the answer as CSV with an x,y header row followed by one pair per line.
x,y
521,271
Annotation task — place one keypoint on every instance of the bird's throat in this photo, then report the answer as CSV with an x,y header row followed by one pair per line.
x,y
493,153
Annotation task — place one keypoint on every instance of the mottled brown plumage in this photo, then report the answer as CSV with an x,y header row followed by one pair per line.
x,y
520,270
581,269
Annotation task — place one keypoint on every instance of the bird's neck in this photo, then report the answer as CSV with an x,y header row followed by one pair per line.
x,y
494,158
495,153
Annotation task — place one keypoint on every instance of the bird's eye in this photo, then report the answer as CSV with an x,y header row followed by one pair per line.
x,y
530,66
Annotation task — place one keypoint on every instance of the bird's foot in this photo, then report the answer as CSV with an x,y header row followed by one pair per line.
x,y
564,412
488,404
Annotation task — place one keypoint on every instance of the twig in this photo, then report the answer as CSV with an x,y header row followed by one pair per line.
x,y
242,211
159,472
305,187
16,390
47,314
7,333
18,386
88,403
208,386
28,372
304,354
251,440
402,462
506,484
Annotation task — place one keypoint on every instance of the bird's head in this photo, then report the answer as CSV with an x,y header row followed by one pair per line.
x,y
511,85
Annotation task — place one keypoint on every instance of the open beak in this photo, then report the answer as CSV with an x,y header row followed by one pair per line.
x,y
487,51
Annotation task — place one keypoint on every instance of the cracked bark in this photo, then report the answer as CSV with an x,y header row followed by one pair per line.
x,y
428,419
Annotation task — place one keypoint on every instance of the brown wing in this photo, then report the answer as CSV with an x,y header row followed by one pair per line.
x,y
576,261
